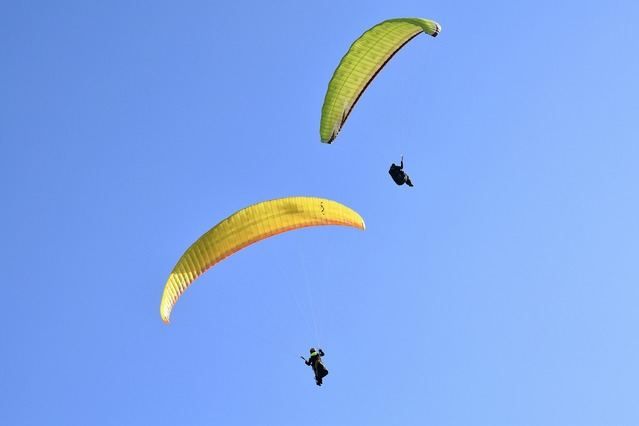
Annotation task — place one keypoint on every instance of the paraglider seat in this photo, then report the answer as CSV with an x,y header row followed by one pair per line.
x,y
321,371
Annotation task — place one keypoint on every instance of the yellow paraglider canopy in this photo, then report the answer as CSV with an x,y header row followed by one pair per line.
x,y
248,226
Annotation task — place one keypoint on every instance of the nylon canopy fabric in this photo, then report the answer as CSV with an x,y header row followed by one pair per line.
x,y
248,226
365,58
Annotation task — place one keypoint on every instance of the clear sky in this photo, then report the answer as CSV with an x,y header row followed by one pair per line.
x,y
501,290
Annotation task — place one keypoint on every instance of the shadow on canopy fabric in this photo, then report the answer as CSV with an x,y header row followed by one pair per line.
x,y
248,226
365,58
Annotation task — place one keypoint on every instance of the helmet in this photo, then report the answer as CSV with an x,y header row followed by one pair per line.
x,y
312,350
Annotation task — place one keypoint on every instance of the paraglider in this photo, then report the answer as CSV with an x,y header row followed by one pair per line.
x,y
359,66
399,176
248,226
315,361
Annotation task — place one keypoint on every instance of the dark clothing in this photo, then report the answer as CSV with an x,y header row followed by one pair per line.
x,y
315,361
398,174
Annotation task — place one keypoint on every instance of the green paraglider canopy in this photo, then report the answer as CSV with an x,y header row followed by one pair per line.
x,y
365,58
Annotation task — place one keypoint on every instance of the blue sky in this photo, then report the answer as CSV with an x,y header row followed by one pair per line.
x,y
500,290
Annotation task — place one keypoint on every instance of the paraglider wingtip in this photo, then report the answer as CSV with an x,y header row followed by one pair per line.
x,y
438,28
329,140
